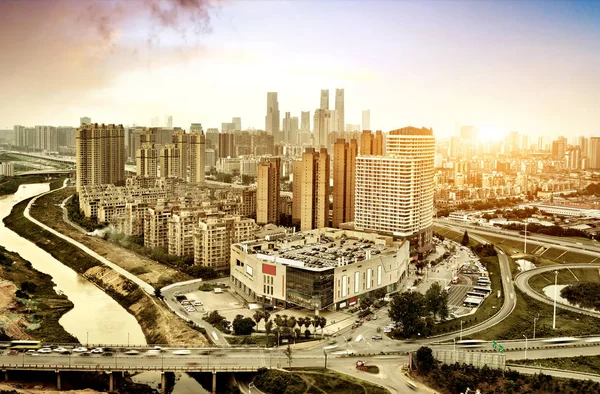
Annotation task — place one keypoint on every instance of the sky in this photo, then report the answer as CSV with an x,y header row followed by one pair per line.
x,y
504,65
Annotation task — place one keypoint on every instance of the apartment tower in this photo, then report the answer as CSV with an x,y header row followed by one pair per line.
x,y
321,124
339,110
272,117
371,145
170,161
100,155
180,141
146,160
197,156
267,192
394,193
314,190
344,173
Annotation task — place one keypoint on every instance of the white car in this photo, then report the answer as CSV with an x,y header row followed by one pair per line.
x,y
132,352
61,350
197,303
45,350
97,350
80,349
153,353
182,352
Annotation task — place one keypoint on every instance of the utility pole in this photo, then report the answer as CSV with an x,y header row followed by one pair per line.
x,y
555,294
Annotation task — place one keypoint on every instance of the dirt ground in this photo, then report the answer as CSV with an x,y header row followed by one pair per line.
x,y
49,212
24,388
10,321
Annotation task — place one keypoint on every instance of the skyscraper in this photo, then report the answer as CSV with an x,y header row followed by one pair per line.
x,y
339,108
394,193
366,119
180,141
267,192
170,161
226,145
170,122
197,156
100,155
272,117
146,161
559,149
314,192
371,144
237,123
305,121
344,173
324,99
594,153
321,123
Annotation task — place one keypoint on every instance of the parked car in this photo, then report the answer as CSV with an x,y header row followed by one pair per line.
x,y
45,350
80,349
97,350
376,338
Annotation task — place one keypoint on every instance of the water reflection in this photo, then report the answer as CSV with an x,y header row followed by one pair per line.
x,y
96,317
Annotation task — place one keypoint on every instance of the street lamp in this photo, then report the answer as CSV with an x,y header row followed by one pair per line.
x,y
525,251
534,320
524,336
555,294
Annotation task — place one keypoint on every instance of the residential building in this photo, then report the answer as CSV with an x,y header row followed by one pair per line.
x,y
299,269
7,169
170,161
156,227
371,144
268,189
339,110
324,99
197,159
180,228
272,117
180,141
146,161
344,173
226,145
321,124
100,155
314,190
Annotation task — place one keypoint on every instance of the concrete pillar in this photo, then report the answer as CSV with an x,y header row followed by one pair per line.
x,y
163,383
6,375
214,386
58,384
111,381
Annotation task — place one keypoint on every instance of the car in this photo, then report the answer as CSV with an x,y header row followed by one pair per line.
x,y
182,352
376,338
97,350
132,352
85,354
387,330
80,349
61,350
197,303
107,354
32,352
374,317
45,350
153,353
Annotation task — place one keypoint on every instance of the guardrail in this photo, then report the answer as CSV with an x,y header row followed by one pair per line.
x,y
187,368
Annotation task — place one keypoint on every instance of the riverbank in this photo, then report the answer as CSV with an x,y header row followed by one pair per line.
x,y
30,308
9,185
158,324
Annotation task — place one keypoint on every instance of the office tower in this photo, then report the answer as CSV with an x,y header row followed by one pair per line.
x,y
344,173
227,127
371,144
267,191
305,121
237,123
394,193
85,120
558,149
196,127
366,119
197,158
324,99
155,121
170,161
339,108
314,190
583,144
226,145
170,122
100,155
321,123
272,118
594,153
333,127
285,127
469,133
293,134
180,141
540,144
146,161
212,138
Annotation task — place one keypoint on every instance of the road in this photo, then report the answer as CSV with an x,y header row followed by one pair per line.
x,y
522,282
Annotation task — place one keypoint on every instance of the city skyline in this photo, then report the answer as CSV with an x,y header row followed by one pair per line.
x,y
498,66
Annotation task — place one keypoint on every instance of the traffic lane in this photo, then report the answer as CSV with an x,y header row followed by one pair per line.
x,y
530,370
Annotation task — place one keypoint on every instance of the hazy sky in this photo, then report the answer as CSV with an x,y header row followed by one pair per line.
x,y
501,65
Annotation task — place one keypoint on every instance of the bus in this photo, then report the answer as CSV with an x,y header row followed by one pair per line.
x,y
472,302
482,289
476,294
25,345
484,279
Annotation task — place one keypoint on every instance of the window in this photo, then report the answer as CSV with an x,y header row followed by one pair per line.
x,y
356,282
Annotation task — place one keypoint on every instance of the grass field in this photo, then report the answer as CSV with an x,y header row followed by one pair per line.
x,y
453,235
565,277
521,322
589,364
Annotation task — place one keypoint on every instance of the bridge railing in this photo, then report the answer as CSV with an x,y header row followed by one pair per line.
x,y
186,368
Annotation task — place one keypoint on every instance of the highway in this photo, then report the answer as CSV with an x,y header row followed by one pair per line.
x,y
522,282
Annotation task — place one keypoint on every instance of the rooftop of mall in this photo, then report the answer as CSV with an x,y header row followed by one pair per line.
x,y
322,248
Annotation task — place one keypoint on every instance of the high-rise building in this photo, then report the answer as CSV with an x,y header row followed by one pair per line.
x,y
583,143
366,119
146,161
469,133
170,122
339,108
197,156
593,161
371,144
297,192
237,121
180,141
305,121
227,127
212,138
559,148
267,193
324,99
344,173
170,161
100,155
65,136
85,120
314,190
272,117
46,138
321,123
394,193
226,145
540,144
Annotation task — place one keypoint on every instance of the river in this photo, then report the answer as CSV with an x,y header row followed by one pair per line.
x,y
96,318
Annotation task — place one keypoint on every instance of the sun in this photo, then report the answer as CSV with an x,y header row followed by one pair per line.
x,y
490,133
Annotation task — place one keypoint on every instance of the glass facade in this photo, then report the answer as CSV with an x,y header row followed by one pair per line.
x,y
309,289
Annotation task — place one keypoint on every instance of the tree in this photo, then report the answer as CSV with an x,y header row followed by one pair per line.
x,y
288,354
268,326
307,334
425,360
465,239
407,310
378,293
243,325
158,293
365,303
258,315
291,323
436,301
